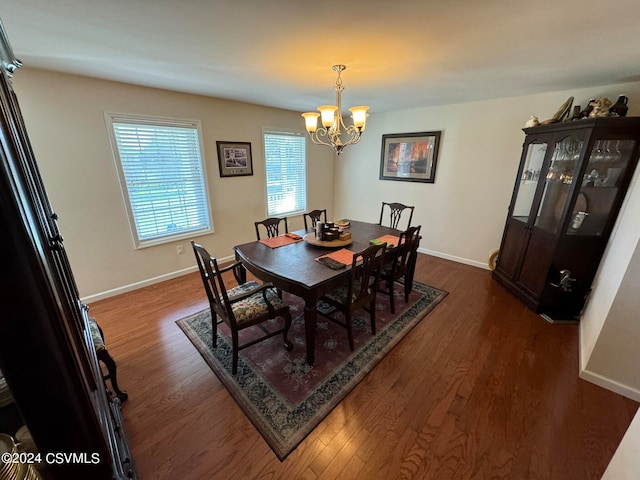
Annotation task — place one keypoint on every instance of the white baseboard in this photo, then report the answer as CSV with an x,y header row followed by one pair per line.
x,y
466,261
609,384
145,283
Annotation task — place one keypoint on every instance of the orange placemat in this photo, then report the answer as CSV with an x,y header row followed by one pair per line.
x,y
279,241
343,255
390,240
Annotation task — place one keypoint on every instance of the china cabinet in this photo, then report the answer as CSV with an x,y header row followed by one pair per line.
x,y
47,355
569,188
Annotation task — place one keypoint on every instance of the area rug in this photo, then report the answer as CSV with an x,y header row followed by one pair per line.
x,y
285,398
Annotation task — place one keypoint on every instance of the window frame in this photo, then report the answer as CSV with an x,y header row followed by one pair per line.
x,y
292,133
147,120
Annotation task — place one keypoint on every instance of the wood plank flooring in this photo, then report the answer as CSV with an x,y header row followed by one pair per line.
x,y
482,388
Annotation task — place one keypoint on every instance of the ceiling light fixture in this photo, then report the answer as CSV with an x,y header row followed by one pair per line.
x,y
333,127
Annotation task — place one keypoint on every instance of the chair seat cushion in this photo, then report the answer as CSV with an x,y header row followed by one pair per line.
x,y
386,269
96,336
339,295
254,306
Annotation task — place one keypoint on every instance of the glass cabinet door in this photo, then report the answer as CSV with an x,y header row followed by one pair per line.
x,y
559,177
602,177
534,159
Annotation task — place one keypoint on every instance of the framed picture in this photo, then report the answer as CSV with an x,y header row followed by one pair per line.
x,y
409,157
234,158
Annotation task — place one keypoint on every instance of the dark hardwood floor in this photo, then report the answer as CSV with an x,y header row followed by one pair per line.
x,y
482,388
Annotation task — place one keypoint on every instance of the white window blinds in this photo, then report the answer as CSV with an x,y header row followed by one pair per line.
x,y
162,176
286,165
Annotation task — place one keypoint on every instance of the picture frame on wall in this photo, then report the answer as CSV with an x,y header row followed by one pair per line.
x,y
410,157
234,158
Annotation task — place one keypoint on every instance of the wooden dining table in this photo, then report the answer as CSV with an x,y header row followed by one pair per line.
x,y
293,269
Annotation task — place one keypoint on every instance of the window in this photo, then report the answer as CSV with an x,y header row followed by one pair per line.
x,y
286,163
162,176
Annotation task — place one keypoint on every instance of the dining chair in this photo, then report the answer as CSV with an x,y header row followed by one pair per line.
x,y
400,265
359,292
395,213
246,305
102,354
314,216
272,226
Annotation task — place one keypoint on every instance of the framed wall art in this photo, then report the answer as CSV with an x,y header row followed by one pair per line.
x,y
234,158
409,157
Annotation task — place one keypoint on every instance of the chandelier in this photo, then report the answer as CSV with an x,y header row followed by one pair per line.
x,y
334,133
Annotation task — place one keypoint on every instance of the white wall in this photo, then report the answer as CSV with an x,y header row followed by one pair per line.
x,y
64,118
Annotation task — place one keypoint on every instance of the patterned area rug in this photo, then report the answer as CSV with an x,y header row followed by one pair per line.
x,y
285,398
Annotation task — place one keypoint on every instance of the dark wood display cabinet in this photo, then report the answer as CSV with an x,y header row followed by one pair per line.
x,y
570,186
47,355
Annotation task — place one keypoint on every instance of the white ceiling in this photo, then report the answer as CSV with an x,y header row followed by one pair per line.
x,y
399,54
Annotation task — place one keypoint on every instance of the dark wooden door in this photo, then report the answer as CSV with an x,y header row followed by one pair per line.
x,y
516,241
536,258
514,245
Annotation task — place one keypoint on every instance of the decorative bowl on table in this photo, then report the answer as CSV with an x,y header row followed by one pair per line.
x,y
328,235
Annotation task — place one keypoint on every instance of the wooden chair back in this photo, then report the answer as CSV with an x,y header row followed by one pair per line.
x,y
411,263
365,275
395,213
213,284
359,292
272,226
314,217
407,250
401,265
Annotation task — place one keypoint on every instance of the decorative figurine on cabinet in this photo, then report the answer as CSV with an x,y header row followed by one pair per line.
x,y
600,108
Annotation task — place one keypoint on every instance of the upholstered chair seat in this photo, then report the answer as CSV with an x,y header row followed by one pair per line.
x,y
340,294
96,335
248,308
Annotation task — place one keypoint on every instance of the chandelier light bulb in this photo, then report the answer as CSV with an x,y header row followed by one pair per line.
x,y
311,121
359,115
328,114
